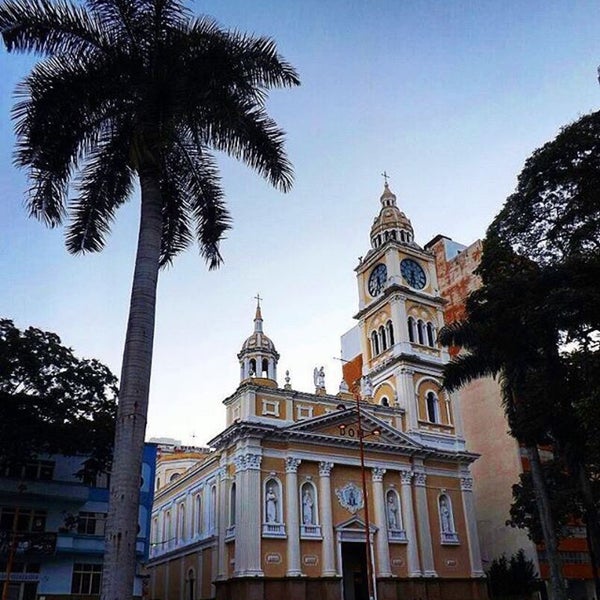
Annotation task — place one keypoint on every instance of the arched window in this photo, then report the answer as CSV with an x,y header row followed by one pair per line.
x,y
232,505
385,401
174,477
421,331
411,329
167,529
191,583
252,367
433,414
158,483
447,527
212,522
198,514
390,333
181,522
375,343
383,339
265,368
430,334
393,512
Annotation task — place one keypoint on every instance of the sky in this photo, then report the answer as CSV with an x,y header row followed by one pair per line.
x,y
449,97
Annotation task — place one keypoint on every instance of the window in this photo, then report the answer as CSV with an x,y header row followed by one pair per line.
x,y
232,494
430,335
28,519
198,513
385,401
382,338
265,368
181,522
304,412
421,331
411,329
91,523
252,367
191,582
167,529
374,344
32,469
213,508
390,333
432,408
86,579
270,407
174,477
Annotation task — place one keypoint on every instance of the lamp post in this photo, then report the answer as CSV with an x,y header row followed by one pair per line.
x,y
361,434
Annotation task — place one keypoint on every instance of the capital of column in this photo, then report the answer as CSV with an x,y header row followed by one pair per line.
x,y
406,371
325,469
466,484
420,478
248,461
377,474
406,477
292,464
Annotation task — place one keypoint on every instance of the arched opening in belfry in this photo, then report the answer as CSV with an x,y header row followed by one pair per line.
x,y
264,372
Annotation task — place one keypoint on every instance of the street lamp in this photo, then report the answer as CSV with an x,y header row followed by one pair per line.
x,y
361,434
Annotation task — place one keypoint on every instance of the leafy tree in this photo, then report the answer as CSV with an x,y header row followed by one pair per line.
x,y
512,578
52,402
139,90
507,334
554,214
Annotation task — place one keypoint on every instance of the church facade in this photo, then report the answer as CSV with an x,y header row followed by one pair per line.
x,y
365,493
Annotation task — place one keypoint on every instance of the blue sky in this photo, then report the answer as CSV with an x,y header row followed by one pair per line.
x,y
449,97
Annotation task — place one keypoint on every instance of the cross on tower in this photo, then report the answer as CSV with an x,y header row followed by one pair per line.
x,y
385,176
258,299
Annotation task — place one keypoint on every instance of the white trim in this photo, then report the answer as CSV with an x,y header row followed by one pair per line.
x,y
270,407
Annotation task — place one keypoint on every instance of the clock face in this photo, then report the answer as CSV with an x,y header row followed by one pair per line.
x,y
377,279
413,273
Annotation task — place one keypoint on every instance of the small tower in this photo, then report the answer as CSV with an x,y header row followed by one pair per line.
x,y
391,223
258,357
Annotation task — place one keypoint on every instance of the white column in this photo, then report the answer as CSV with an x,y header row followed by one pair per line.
x,y
327,519
253,514
466,487
406,396
241,510
222,514
427,563
382,549
408,519
398,309
292,517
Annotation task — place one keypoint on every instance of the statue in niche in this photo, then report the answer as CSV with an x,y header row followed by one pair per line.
x,y
319,377
308,514
392,512
445,516
271,505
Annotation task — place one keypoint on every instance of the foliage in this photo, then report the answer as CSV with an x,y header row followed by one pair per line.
x,y
554,214
52,402
512,578
562,490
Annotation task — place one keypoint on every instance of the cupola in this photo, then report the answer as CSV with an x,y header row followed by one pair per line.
x,y
258,356
391,223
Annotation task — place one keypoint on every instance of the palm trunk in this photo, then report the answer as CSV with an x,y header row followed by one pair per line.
x,y
557,582
122,523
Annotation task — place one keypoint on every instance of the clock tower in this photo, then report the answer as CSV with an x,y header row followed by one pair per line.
x,y
400,313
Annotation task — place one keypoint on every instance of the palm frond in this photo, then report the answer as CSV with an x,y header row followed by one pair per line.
x,y
51,27
459,333
465,368
105,184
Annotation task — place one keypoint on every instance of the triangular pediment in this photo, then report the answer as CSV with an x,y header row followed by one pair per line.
x,y
328,426
355,523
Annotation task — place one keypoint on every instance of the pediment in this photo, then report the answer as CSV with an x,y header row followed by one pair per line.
x,y
355,523
328,426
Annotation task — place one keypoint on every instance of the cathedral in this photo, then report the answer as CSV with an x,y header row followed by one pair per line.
x,y
363,494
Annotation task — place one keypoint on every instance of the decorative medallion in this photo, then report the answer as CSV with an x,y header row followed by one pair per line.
x,y
350,497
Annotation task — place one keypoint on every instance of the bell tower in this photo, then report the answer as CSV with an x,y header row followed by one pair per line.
x,y
399,316
258,357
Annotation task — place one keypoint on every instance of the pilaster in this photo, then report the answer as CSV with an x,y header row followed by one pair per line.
x,y
407,396
292,517
222,525
427,563
382,545
408,517
466,488
327,519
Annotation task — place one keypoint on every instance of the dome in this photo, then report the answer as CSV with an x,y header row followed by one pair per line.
x,y
391,223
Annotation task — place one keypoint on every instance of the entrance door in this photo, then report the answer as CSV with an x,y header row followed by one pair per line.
x,y
354,571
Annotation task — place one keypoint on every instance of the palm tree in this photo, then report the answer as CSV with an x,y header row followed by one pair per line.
x,y
139,90
503,335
